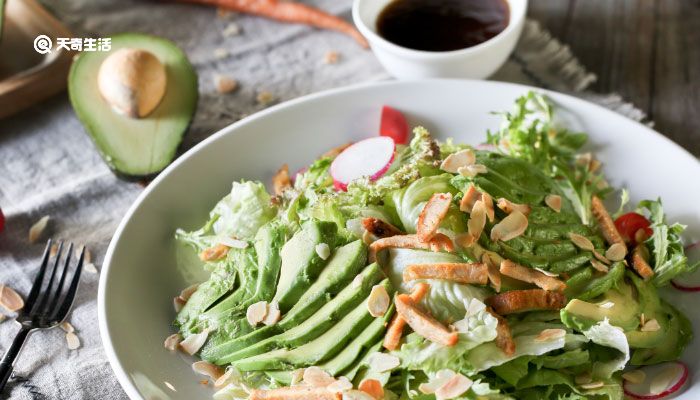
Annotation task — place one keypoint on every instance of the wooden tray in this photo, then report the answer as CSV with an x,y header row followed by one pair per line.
x,y
27,77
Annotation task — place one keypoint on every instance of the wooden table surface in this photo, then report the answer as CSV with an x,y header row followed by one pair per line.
x,y
648,51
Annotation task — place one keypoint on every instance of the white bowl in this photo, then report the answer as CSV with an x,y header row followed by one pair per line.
x,y
476,62
139,274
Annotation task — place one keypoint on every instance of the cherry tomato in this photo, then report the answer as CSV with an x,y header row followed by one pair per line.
x,y
629,224
2,221
394,125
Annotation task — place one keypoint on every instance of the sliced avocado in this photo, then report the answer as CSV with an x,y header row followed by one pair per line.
x,y
135,148
320,349
594,287
677,337
301,264
652,309
299,334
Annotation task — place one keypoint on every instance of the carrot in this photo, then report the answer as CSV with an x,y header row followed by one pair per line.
x,y
395,330
288,11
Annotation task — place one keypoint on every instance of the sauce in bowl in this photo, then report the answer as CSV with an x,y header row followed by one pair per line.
x,y
442,25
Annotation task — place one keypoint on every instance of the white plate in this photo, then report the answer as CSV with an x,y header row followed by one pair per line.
x,y
139,275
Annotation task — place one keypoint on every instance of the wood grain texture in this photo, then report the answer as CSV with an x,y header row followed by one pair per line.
x,y
648,51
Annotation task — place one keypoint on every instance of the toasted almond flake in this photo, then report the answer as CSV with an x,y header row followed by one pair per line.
x,y
457,160
10,299
356,395
607,305
223,379
651,326
469,199
454,387
373,388
225,85
510,227
220,53
440,378
477,220
616,252
208,369
232,242
38,228
66,327
357,282
170,386
601,258
178,303
550,334
331,57
635,376
256,313
232,29
90,268
316,377
323,250
297,376
186,293
592,385
193,343
581,241
172,341
488,205
583,378
642,319
553,201
508,206
382,362
273,314
599,266
378,301
471,171
340,385
72,340
264,98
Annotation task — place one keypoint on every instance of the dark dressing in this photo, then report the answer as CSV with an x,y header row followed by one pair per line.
x,y
442,25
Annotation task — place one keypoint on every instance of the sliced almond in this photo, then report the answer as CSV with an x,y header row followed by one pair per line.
x,y
323,250
477,220
550,334
599,266
225,85
378,301
440,378
457,160
316,377
193,343
373,388
232,242
635,376
471,171
90,268
616,252
172,341
178,303
38,228
273,314
208,369
508,206
340,385
186,293
488,204
545,272
592,385
10,299
651,326
454,387
382,362
663,380
331,57
66,327
601,258
264,98
581,241
510,227
223,379
72,340
469,199
256,313
356,395
553,201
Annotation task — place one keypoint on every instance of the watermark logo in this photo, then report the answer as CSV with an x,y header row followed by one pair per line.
x,y
44,45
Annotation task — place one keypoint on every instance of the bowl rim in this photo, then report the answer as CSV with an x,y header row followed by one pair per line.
x,y
514,22
104,326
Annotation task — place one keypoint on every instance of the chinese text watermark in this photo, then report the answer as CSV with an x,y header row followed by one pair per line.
x,y
44,45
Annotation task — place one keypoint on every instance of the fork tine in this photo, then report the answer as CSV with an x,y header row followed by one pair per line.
x,y
39,279
61,312
44,294
61,281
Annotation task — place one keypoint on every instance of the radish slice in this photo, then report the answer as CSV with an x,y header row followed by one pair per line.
x,y
690,283
370,157
661,381
394,125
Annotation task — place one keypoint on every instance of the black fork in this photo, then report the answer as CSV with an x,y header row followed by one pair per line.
x,y
47,305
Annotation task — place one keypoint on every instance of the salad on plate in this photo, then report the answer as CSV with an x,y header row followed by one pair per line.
x,y
402,267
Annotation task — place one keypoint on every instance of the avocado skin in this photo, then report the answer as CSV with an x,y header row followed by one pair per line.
x,y
320,349
323,319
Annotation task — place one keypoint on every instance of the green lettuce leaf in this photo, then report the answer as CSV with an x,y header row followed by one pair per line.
x,y
241,213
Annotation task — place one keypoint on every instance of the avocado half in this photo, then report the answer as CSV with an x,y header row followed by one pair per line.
x,y
135,148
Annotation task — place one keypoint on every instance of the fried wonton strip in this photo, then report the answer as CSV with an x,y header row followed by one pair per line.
x,y
504,338
395,329
432,214
473,273
333,153
607,226
639,261
469,199
516,301
214,253
529,275
281,181
379,228
295,393
422,323
402,241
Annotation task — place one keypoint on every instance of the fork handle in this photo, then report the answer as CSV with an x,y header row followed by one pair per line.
x,y
8,360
